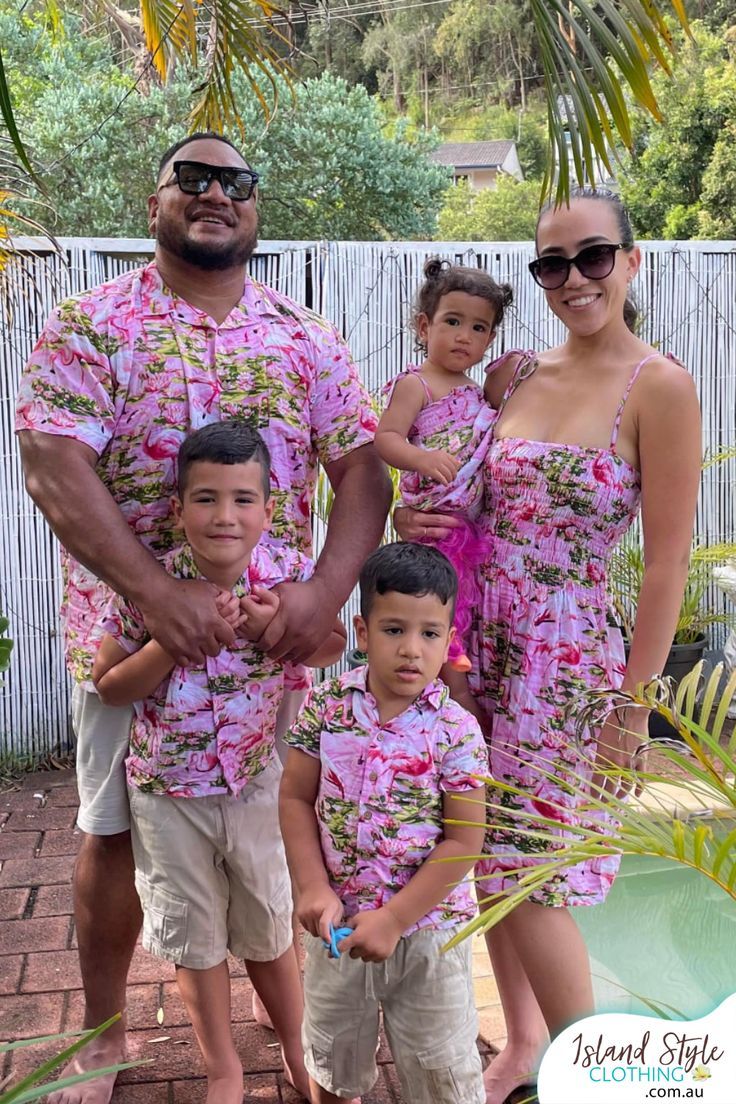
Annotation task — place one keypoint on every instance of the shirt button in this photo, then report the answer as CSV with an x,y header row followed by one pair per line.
x,y
365,816
373,776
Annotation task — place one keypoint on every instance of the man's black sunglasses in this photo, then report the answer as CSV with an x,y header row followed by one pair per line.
x,y
195,177
595,262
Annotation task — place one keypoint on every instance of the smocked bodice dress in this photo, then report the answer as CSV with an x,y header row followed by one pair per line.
x,y
554,513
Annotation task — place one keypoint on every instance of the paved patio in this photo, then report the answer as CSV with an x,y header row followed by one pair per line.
x,y
40,987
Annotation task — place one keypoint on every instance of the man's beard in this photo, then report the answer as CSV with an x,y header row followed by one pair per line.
x,y
209,258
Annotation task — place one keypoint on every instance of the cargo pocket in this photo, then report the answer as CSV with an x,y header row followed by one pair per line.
x,y
164,919
320,1052
452,1071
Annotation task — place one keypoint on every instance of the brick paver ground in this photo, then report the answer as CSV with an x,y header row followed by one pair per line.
x,y
40,987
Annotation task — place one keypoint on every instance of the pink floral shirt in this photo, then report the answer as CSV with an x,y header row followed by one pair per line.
x,y
381,788
129,369
209,730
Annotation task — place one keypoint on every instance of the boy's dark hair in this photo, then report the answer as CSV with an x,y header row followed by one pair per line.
x,y
169,153
442,277
407,568
233,441
625,231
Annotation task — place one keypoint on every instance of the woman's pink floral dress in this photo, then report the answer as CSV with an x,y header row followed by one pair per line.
x,y
554,513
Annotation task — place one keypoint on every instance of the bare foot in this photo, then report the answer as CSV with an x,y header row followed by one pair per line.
x,y
512,1067
260,1015
96,1055
225,1090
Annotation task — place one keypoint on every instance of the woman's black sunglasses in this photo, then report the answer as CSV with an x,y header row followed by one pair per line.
x,y
195,177
595,262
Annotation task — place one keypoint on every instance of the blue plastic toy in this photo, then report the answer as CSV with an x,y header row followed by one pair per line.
x,y
336,935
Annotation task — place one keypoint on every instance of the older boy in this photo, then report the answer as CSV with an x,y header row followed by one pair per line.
x,y
202,770
381,763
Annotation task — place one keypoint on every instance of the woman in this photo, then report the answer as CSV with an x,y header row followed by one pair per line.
x,y
584,433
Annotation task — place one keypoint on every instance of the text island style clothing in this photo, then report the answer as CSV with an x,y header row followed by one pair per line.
x,y
130,369
461,424
209,730
381,788
554,513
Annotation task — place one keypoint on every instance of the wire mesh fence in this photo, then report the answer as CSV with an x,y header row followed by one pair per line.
x,y
687,297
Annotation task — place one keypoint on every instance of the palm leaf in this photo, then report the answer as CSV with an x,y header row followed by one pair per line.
x,y
6,109
593,46
699,764
25,1091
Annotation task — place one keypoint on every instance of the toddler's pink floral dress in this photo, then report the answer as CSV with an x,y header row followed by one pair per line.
x,y
460,423
554,512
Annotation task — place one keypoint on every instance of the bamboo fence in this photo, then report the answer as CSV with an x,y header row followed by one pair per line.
x,y
686,291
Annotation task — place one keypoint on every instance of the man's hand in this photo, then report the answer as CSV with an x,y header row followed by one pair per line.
x,y
317,907
438,465
304,620
375,935
182,615
257,611
419,525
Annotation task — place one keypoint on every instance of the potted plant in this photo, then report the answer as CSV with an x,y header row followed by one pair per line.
x,y
696,616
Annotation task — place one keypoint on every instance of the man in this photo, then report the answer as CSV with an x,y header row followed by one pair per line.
x,y
119,376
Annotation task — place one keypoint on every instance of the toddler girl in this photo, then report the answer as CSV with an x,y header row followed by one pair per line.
x,y
437,426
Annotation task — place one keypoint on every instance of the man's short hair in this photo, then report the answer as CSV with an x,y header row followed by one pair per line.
x,y
233,441
199,134
407,568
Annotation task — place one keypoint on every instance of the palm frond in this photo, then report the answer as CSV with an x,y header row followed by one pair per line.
x,y
588,50
700,764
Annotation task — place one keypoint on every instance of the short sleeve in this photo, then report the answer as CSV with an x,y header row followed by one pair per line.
x,y
124,623
274,562
67,387
342,413
465,763
305,733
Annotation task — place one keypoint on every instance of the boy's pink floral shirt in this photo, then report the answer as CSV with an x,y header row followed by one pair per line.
x,y
209,730
129,369
379,804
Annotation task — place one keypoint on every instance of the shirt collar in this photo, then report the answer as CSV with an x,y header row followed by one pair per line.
x,y
161,300
434,694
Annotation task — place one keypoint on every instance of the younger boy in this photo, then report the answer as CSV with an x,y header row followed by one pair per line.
x,y
202,769
381,761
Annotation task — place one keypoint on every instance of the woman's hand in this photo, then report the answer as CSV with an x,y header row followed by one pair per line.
x,y
419,525
620,737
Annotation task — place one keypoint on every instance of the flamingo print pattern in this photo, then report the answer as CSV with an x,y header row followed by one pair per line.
x,y
379,804
129,369
553,514
209,729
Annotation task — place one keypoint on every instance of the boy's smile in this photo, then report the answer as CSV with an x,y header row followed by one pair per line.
x,y
223,514
406,638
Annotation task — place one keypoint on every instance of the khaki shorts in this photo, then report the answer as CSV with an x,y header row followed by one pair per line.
x,y
103,734
428,1014
211,874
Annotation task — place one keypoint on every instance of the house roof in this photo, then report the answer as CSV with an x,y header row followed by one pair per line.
x,y
473,155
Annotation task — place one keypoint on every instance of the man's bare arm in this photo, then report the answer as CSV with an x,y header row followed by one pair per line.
x,y
308,610
61,478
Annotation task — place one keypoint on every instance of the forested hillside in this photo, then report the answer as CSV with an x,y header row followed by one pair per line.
x,y
376,86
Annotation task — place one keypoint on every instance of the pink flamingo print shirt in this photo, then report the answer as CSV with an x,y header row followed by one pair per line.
x,y
129,369
379,805
210,729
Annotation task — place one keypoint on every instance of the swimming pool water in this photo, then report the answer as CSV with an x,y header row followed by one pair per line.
x,y
666,932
